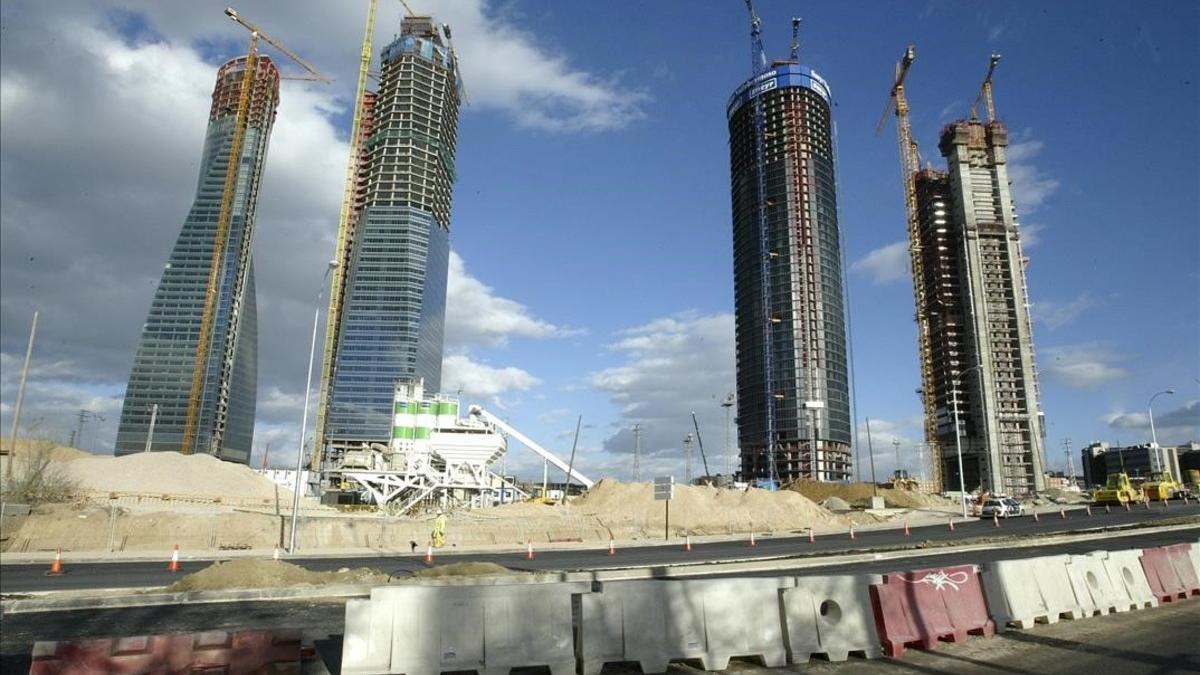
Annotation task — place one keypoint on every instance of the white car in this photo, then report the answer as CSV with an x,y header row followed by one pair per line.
x,y
1001,508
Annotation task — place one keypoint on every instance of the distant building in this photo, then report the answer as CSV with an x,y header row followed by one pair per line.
x,y
793,389
160,384
387,316
1093,461
1141,461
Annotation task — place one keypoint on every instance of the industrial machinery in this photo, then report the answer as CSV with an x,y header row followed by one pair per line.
x,y
436,459
1162,486
1117,490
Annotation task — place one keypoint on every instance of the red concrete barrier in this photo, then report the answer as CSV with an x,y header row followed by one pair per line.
x,y
1169,572
217,651
925,606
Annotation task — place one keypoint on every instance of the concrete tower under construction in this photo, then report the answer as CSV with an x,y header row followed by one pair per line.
x,y
388,294
792,372
980,345
207,288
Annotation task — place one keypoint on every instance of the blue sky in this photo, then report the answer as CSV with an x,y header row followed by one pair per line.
x,y
593,199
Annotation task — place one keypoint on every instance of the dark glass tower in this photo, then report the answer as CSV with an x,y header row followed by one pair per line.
x,y
166,353
394,299
809,384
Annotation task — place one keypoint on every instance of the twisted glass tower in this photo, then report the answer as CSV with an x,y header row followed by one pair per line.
x,y
394,300
159,386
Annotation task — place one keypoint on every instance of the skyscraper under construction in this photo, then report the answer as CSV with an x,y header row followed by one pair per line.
x,y
388,294
792,373
973,310
207,287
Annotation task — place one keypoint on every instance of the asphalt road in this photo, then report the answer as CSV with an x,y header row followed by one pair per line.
x,y
1152,641
26,578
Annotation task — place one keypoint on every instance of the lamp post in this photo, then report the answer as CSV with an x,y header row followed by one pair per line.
x,y
727,404
1150,411
962,488
297,487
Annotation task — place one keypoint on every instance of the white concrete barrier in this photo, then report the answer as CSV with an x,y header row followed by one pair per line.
x,y
487,628
658,621
1129,579
830,615
1094,588
367,637
1196,558
1022,592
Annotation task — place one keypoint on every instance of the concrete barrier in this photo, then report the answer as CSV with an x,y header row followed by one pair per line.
x,y
487,628
926,606
1169,572
1129,580
1022,592
214,651
658,621
1094,588
830,615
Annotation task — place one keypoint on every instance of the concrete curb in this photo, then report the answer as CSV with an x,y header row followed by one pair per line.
x,y
151,598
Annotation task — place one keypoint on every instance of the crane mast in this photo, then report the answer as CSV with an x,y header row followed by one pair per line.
x,y
985,92
758,66
221,238
910,164
345,242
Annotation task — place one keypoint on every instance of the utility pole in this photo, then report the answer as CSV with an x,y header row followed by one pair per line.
x,y
150,432
896,447
12,437
687,459
637,452
727,404
266,455
1070,461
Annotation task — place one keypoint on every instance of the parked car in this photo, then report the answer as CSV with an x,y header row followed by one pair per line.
x,y
1001,508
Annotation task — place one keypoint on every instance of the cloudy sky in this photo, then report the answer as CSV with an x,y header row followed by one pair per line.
x,y
592,272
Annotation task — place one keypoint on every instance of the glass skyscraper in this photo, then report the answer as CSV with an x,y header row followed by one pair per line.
x,y
801,307
161,379
393,300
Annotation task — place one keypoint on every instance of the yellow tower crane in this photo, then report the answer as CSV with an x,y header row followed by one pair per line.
x,y
225,213
985,92
910,164
345,240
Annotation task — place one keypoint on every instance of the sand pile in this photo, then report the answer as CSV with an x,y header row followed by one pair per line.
x,y
859,494
703,509
56,452
171,473
464,569
255,573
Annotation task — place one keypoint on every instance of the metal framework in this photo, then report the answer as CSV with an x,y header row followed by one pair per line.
x,y
910,164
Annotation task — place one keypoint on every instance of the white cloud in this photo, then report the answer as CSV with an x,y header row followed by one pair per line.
x,y
1031,234
1031,187
1055,315
475,315
1172,426
1084,366
885,264
473,378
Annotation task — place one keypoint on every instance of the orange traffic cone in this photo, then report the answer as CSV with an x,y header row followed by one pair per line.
x,y
687,542
1089,510
752,542
173,566
906,532
951,523
851,530
56,566
429,554
1062,513
1106,509
1035,517
529,550
995,520
1165,504
812,536
612,549
1127,506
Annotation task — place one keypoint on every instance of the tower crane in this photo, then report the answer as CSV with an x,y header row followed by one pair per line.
x,y
985,92
345,238
910,164
224,215
767,254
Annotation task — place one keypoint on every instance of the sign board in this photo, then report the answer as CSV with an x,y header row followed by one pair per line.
x,y
664,488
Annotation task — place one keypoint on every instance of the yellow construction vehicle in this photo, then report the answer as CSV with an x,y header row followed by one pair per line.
x,y
1117,490
1161,487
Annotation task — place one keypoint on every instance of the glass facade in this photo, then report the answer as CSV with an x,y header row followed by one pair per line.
x,y
166,353
807,322
394,301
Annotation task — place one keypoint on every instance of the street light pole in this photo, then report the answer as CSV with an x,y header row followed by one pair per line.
x,y
297,487
1150,411
727,404
12,438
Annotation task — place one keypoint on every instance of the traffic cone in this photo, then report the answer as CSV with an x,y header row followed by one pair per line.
x,y
687,542
1062,513
752,542
173,566
612,549
529,550
1147,503
1035,517
1106,509
812,536
851,530
275,555
56,566
429,554
995,520
1089,510
1165,504
951,523
906,532
1127,506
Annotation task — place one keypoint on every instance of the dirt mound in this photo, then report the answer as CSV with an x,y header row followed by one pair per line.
x,y
859,494
836,504
464,569
56,452
703,509
256,573
171,473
